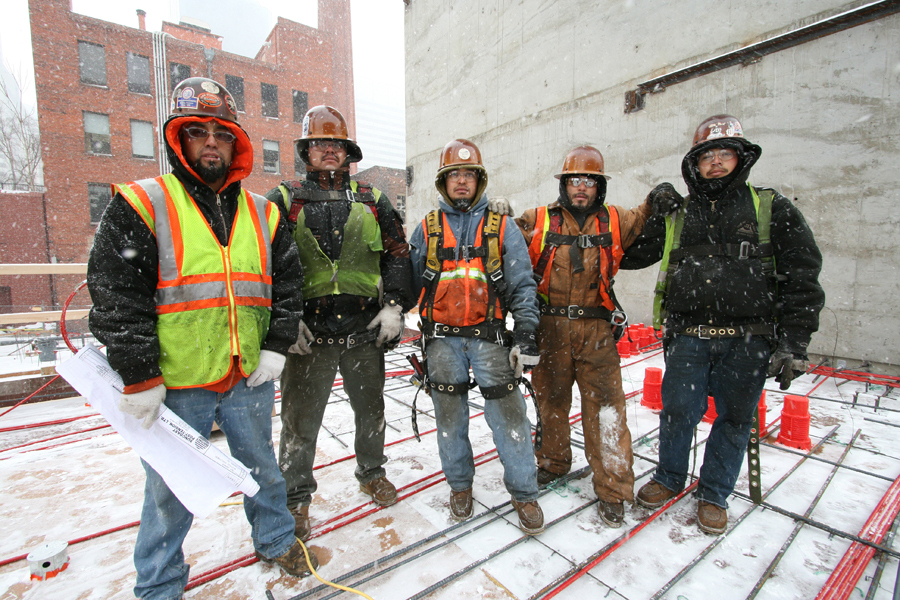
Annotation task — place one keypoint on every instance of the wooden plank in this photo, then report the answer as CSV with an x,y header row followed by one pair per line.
x,y
44,269
45,316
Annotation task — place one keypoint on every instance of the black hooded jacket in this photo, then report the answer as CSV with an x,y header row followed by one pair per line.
x,y
123,271
728,290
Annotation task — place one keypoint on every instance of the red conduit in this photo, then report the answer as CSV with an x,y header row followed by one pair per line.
x,y
54,437
845,576
13,559
33,394
616,546
45,423
861,376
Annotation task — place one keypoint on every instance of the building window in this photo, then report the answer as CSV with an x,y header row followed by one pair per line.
x,y
138,73
178,73
141,139
269,100
99,195
301,105
92,63
235,85
401,206
271,157
96,133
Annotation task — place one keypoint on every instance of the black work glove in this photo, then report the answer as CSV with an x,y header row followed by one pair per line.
x,y
664,199
784,365
524,354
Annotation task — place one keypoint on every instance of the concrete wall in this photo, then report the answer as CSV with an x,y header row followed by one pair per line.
x,y
529,80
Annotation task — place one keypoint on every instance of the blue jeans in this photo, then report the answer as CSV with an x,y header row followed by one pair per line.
x,y
449,360
733,372
245,417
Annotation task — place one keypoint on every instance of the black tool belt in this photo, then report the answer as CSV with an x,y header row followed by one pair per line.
x,y
492,332
705,332
578,312
351,340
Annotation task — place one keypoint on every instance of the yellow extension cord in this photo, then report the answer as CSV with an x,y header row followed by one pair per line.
x,y
306,555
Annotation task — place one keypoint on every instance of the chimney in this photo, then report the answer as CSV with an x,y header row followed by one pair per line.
x,y
142,22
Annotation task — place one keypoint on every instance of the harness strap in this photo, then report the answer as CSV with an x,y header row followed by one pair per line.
x,y
578,312
300,195
742,250
493,332
555,215
729,331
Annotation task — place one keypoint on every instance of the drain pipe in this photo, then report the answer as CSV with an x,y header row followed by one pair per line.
x,y
161,81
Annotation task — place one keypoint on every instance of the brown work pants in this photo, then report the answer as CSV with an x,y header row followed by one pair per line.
x,y
583,351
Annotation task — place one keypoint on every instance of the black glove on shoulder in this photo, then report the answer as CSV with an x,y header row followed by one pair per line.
x,y
665,199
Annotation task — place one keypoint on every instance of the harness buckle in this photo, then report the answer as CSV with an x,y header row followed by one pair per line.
x,y
618,318
572,312
703,332
745,251
434,332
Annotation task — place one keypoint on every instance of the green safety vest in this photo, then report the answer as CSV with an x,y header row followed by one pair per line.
x,y
212,302
358,269
762,202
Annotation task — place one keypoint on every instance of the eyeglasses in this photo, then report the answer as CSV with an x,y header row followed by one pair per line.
x,y
197,133
325,144
587,181
724,156
463,174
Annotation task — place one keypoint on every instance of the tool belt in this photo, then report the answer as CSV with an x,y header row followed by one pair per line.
x,y
351,340
583,312
705,332
492,332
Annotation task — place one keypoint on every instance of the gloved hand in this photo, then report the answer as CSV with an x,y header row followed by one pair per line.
x,y
144,405
500,205
304,339
390,319
784,365
524,354
269,368
664,199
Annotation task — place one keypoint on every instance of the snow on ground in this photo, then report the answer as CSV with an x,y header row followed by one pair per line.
x,y
62,488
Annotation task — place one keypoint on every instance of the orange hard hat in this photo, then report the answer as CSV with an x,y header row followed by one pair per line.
x,y
460,154
583,160
326,123
717,127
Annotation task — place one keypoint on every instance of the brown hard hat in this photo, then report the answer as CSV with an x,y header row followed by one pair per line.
x,y
326,123
460,154
583,160
202,97
716,127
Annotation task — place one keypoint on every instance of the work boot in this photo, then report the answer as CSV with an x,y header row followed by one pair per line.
x,y
654,495
382,491
293,562
531,517
461,506
711,518
612,513
302,528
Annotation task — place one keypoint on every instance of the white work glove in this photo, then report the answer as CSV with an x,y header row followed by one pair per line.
x,y
304,339
144,405
269,368
500,205
524,354
390,319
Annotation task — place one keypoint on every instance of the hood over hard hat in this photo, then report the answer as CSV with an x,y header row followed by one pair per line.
x,y
719,131
200,100
460,154
326,123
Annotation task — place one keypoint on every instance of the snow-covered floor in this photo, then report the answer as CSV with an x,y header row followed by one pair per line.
x,y
78,479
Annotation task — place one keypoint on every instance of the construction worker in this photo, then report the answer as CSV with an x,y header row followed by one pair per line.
x,y
196,291
470,268
356,288
738,295
576,245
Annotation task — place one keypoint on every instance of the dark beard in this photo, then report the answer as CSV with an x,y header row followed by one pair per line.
x,y
210,174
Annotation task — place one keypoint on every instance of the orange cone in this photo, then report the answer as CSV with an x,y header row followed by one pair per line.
x,y
795,423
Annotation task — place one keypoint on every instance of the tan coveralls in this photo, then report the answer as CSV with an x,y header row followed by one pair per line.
x,y
583,351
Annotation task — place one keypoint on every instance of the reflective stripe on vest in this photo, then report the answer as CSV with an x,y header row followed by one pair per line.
x,y
762,204
213,302
606,271
358,269
462,291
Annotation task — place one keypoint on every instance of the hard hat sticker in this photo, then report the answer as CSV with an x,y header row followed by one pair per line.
x,y
305,126
210,100
186,103
187,92
464,153
210,87
230,103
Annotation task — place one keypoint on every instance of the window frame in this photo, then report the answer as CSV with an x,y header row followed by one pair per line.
x,y
152,139
90,141
298,116
277,161
93,186
81,63
129,57
239,97
263,89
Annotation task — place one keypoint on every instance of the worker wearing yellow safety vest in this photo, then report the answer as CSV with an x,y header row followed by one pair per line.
x,y
196,290
576,246
737,296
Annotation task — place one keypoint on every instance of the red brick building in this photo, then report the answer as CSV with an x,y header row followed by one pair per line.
x,y
104,89
391,182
